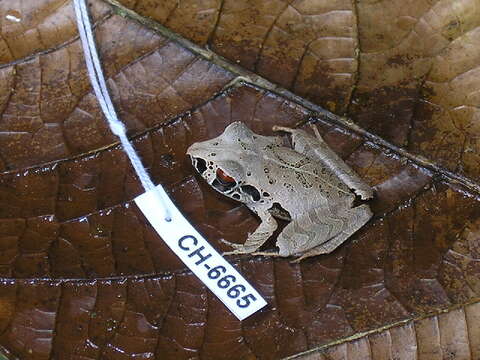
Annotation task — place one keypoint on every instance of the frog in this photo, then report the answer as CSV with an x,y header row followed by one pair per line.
x,y
325,200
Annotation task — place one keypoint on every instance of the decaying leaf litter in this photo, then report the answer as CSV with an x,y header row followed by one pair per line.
x,y
75,238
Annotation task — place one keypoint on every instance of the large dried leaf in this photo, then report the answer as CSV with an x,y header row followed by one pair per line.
x,y
83,275
419,77
97,233
407,70
307,46
453,335
30,27
48,111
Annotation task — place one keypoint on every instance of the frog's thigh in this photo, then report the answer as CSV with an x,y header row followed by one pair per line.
x,y
319,227
317,148
359,216
309,230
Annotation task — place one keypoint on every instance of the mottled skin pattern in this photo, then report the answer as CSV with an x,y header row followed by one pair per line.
x,y
309,181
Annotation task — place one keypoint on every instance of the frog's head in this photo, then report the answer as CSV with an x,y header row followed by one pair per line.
x,y
227,162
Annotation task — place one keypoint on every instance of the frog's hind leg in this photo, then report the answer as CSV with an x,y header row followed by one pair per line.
x,y
317,148
356,218
320,231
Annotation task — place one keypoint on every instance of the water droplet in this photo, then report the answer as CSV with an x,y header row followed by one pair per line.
x,y
13,16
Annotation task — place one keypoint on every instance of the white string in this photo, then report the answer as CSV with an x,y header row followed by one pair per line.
x,y
99,85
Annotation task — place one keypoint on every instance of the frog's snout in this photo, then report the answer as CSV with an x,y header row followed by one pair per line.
x,y
192,149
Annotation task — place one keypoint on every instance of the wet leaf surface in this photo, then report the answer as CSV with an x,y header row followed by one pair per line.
x,y
405,70
48,108
453,335
307,46
30,28
83,275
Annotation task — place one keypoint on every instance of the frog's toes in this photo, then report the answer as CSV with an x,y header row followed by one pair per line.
x,y
234,252
281,128
265,253
364,194
239,249
231,244
300,258
246,250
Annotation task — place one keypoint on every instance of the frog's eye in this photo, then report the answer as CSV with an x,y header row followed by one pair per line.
x,y
224,177
199,164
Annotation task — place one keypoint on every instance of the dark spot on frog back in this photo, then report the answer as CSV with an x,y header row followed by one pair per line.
x,y
251,191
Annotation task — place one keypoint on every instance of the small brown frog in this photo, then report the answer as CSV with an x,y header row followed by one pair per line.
x,y
310,182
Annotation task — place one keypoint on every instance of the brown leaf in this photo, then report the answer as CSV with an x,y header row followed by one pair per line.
x,y
83,274
403,273
453,335
27,29
50,113
418,77
309,47
405,70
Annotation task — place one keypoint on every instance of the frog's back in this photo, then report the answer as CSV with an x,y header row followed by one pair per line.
x,y
307,174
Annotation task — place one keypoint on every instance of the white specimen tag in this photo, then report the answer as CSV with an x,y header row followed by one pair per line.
x,y
204,261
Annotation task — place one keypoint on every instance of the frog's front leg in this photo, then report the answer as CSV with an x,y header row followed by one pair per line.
x,y
317,148
256,239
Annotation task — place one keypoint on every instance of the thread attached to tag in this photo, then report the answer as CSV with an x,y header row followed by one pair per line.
x,y
191,247
99,85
